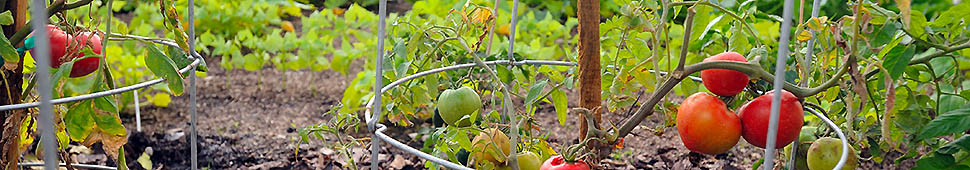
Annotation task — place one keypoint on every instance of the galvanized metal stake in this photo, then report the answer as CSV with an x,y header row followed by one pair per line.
x,y
375,147
816,4
778,84
192,89
42,49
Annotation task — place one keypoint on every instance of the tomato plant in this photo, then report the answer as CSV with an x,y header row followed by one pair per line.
x,y
82,62
891,75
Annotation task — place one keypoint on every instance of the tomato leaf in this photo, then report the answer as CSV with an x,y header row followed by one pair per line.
x,y
534,92
559,101
6,18
106,104
947,123
963,143
9,53
80,120
182,59
164,67
897,59
938,161
917,24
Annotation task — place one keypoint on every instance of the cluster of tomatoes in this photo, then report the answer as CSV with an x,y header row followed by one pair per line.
x,y
65,47
706,125
455,107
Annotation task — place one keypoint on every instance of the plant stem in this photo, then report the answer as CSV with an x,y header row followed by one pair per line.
x,y
506,104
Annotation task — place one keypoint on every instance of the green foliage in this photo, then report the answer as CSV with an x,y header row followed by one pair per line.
x,y
904,88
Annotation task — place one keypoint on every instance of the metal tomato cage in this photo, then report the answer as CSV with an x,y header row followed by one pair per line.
x,y
373,114
48,139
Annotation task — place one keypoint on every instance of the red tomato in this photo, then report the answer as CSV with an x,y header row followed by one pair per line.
x,y
755,114
724,82
557,163
706,125
58,42
86,65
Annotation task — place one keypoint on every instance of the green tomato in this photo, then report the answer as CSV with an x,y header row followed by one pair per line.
x,y
825,153
527,161
455,104
805,139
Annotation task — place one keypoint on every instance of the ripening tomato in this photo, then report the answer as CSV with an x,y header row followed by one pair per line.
x,y
706,125
86,65
58,43
483,146
558,163
755,114
724,82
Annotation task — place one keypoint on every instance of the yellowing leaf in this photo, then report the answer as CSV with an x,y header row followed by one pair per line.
x,y
481,16
816,23
162,99
287,26
804,36
145,160
339,11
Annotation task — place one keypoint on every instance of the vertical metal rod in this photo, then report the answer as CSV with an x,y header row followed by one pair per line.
x,y
811,43
42,49
778,84
816,4
375,148
513,160
137,111
192,89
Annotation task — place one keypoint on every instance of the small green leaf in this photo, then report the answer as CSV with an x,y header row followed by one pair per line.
x,y
164,67
559,101
534,92
917,24
937,161
947,123
963,143
463,141
6,19
106,104
949,103
897,59
504,74
182,59
9,53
